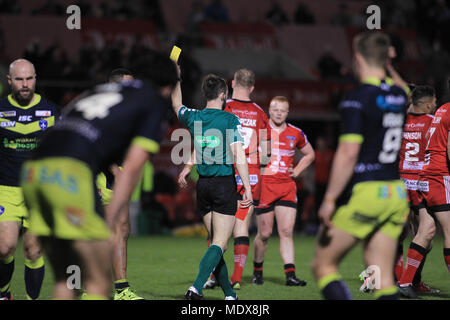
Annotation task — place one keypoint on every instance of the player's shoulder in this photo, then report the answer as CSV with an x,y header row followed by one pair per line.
x,y
295,129
47,104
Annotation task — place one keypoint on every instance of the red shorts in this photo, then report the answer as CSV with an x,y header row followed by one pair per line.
x,y
412,187
277,194
255,182
435,192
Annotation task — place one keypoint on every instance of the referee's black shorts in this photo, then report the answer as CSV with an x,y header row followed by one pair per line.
x,y
217,194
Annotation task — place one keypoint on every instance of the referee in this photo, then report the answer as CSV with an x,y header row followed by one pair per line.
x,y
218,144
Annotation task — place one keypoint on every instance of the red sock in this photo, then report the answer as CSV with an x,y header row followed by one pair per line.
x,y
398,270
241,246
413,260
447,257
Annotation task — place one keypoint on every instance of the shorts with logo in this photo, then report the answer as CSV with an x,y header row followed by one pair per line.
x,y
12,205
216,194
61,197
273,194
435,192
374,205
412,186
255,183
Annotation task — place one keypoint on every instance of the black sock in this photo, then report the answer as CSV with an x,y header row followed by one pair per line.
x,y
336,290
34,276
121,285
258,268
289,270
6,272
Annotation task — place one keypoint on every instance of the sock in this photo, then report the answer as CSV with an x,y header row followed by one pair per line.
x,y
398,270
418,276
333,288
208,263
258,268
120,285
413,260
390,293
6,272
221,273
241,246
447,257
93,297
212,274
34,275
289,270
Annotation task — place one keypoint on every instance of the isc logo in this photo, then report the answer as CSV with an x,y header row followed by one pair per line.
x,y
25,118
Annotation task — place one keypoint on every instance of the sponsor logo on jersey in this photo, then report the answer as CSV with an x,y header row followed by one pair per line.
x,y
253,179
43,113
25,118
391,102
20,144
208,141
7,124
392,120
414,125
291,138
5,114
43,124
351,104
423,186
437,119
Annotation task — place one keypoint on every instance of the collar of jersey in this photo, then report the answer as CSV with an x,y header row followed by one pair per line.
x,y
37,99
377,81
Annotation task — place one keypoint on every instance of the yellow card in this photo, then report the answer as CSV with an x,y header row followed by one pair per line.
x,y
175,54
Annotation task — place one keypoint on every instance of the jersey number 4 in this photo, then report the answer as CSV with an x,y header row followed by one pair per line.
x,y
98,105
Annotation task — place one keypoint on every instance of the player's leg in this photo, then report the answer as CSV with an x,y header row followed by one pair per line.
x,y
285,222
241,247
34,265
379,252
264,221
9,234
332,245
95,256
444,220
418,248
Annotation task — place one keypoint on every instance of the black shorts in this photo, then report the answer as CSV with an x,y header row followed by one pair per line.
x,y
216,194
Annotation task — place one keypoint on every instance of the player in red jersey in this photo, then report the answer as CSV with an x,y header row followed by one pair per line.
x,y
412,154
279,191
254,124
434,179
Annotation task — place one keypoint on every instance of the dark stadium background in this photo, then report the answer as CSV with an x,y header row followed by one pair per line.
x,y
297,48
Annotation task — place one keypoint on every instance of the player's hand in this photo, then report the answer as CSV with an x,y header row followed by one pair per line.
x,y
182,177
294,173
247,198
326,211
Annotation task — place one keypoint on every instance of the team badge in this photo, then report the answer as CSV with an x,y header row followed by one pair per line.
x,y
43,124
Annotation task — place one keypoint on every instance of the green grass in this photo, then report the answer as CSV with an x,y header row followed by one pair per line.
x,y
162,267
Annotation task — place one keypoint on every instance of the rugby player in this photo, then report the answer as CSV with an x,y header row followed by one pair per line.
x,y
254,123
279,191
24,117
110,122
121,231
373,205
218,144
412,155
435,175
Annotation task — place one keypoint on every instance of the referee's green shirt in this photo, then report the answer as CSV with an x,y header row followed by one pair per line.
x,y
213,131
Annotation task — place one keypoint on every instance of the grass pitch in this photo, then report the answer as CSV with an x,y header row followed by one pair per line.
x,y
163,267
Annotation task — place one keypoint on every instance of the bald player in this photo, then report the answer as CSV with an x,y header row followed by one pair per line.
x,y
24,117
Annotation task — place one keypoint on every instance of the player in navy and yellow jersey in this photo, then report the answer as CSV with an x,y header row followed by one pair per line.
x,y
121,232
110,122
24,117
373,206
